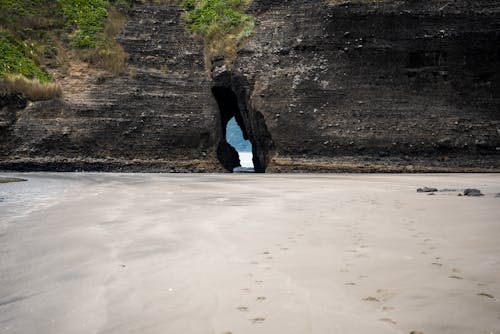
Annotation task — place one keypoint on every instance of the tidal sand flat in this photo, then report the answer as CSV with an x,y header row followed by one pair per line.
x,y
150,253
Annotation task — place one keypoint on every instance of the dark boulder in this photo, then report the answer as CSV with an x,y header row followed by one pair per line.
x,y
472,192
426,190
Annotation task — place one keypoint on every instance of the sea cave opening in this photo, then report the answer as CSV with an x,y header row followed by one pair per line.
x,y
235,147
245,142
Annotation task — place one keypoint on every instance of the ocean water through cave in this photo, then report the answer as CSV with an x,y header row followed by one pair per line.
x,y
234,136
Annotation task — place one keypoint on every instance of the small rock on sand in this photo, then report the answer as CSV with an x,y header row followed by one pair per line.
x,y
426,190
472,192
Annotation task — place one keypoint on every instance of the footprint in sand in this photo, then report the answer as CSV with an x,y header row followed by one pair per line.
x,y
416,332
388,308
284,248
257,320
246,290
456,270
487,295
261,298
455,277
389,321
371,299
266,253
242,308
350,283
254,262
437,264
258,282
384,294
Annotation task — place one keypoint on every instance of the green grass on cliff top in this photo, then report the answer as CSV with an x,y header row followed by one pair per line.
x,y
28,27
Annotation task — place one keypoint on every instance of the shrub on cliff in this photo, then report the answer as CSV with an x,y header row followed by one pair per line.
x,y
88,18
14,59
222,24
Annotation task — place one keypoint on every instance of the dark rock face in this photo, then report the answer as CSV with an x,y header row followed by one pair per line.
x,y
162,119
376,86
416,80
228,156
9,102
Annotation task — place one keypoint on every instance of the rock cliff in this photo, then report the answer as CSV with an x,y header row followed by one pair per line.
x,y
320,86
162,118
394,83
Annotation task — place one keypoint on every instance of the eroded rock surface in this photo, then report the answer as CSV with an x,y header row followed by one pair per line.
x,y
406,82
162,118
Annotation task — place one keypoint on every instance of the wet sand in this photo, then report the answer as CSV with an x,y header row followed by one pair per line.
x,y
10,179
144,253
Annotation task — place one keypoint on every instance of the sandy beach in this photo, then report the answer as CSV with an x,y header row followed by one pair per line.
x,y
151,253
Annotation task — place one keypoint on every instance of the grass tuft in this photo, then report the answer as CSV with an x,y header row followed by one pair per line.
x,y
108,54
32,89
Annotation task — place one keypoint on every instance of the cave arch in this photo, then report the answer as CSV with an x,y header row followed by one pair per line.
x,y
229,91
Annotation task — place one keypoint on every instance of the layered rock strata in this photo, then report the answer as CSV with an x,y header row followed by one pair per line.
x,y
384,85
161,118
320,86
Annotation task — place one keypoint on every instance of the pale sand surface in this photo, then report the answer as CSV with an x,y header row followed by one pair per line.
x,y
143,253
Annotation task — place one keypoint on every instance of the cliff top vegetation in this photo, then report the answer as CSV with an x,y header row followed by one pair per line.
x,y
221,24
39,35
